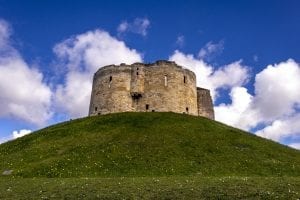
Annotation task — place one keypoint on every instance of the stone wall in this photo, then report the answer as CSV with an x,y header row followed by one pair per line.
x,y
205,105
111,90
162,86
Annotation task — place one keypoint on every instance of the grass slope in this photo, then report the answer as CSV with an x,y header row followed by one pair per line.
x,y
146,145
151,188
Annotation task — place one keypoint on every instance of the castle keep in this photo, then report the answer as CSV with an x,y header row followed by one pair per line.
x,y
162,86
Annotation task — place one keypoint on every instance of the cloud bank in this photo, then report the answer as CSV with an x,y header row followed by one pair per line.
x,y
274,104
23,93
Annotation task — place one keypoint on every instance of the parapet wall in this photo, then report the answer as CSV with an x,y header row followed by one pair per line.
x,y
162,86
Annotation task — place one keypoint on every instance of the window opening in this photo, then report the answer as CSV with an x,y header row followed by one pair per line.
x,y
147,106
166,80
110,80
184,79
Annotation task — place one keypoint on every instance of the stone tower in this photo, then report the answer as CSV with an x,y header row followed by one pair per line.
x,y
162,86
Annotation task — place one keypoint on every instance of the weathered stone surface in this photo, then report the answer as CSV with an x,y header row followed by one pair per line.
x,y
205,105
162,86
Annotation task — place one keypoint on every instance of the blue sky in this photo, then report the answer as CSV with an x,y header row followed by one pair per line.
x,y
244,51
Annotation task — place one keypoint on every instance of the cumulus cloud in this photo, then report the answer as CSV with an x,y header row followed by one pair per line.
x,y
138,26
281,128
83,55
232,75
231,114
277,89
20,133
274,103
210,50
23,93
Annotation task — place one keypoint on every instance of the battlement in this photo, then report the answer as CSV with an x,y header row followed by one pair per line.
x,y
162,86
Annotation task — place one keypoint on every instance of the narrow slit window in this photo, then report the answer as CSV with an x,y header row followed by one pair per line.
x,y
137,73
166,80
96,108
184,79
147,106
110,80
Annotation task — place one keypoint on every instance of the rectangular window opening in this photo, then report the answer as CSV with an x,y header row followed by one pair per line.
x,y
166,80
96,108
110,79
184,79
147,106
187,110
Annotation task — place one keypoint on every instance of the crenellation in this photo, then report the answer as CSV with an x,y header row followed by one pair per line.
x,y
162,86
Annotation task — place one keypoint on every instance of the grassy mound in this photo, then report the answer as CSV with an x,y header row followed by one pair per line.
x,y
145,145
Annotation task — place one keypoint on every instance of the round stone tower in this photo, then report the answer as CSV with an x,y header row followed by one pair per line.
x,y
162,86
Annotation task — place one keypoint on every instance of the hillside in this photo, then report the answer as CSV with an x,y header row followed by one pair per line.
x,y
145,144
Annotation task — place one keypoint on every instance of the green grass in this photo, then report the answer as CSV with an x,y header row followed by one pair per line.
x,y
151,188
134,149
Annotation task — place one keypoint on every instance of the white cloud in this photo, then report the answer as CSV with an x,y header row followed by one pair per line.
x,y
232,75
20,133
211,49
138,26
277,90
231,114
295,145
255,58
4,139
23,94
83,55
123,27
274,104
5,32
180,40
281,128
